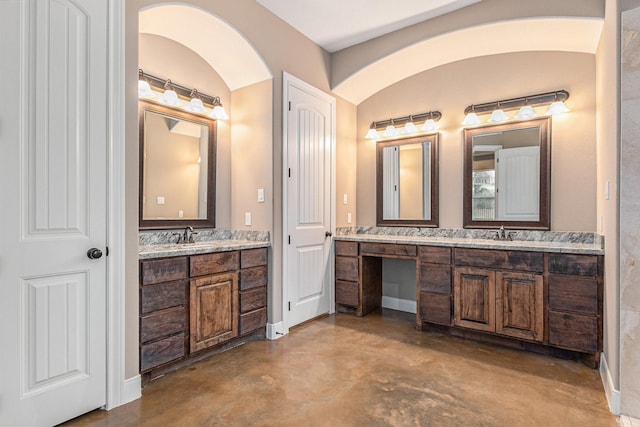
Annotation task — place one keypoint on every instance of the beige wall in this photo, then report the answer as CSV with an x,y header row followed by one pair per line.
x,y
346,160
452,87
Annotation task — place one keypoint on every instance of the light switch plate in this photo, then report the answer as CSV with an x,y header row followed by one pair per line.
x,y
607,190
160,200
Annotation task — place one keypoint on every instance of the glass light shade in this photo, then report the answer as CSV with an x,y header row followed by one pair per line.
x,y
390,131
410,128
556,108
525,112
144,90
195,106
429,126
170,97
372,134
471,119
498,116
219,113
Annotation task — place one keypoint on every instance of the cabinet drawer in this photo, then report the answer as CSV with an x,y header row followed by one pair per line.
x,y
161,324
434,255
581,265
253,320
253,299
347,248
435,278
164,270
575,293
347,293
508,260
162,295
218,262
253,277
435,308
387,249
159,352
573,331
347,268
253,257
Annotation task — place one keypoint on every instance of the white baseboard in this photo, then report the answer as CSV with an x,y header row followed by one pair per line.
x,y
613,395
132,389
405,305
275,330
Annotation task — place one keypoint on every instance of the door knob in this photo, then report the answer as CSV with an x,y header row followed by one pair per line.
x,y
328,234
94,253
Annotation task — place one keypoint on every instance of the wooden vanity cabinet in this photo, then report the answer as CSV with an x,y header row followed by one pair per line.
x,y
253,290
347,276
434,285
163,311
507,299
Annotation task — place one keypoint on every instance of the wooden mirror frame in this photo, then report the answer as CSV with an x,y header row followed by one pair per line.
x,y
543,222
433,180
209,221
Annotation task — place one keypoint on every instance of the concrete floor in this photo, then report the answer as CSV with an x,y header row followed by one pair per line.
x,y
373,371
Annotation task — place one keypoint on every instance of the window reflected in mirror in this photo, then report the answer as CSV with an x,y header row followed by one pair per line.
x,y
507,175
407,182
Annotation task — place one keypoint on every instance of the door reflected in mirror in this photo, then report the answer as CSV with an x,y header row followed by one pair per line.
x,y
407,182
176,168
506,175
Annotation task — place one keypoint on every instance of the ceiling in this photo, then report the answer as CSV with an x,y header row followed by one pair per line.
x,y
337,24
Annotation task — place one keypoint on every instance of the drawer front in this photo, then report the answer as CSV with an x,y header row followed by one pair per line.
x,y
218,262
253,299
253,320
347,268
575,293
253,277
435,278
161,324
435,308
160,352
163,295
347,293
253,257
580,265
346,248
573,331
434,254
387,249
508,260
164,270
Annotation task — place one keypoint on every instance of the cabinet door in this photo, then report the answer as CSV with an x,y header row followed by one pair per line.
x,y
474,298
213,310
519,305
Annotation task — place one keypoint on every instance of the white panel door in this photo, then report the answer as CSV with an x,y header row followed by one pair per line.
x,y
53,171
518,179
309,162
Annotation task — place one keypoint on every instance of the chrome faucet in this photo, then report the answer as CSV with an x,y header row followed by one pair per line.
x,y
501,234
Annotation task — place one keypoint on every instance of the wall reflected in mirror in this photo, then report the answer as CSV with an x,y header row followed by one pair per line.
x,y
407,182
176,168
506,174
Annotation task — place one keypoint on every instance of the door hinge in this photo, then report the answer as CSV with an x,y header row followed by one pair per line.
x,y
289,239
289,105
289,305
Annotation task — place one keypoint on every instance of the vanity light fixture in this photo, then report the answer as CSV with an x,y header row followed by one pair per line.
x,y
151,87
408,125
525,104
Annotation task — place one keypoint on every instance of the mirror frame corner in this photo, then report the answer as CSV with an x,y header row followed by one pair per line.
x,y
433,222
544,219
154,224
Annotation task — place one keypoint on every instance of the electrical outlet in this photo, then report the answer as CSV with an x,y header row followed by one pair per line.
x,y
247,218
344,199
607,190
349,218
180,214
260,195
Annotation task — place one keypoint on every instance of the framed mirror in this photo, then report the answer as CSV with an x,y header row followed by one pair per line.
x,y
507,175
407,182
177,168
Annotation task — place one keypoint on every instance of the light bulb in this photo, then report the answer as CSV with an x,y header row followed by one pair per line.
x,y
525,112
219,113
429,126
556,108
410,128
390,131
195,106
144,90
471,119
498,116
170,97
372,134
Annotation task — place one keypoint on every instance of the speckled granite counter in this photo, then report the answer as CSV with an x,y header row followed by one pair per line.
x,y
158,244
523,240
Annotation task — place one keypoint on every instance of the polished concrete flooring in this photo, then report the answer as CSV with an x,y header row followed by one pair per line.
x,y
373,371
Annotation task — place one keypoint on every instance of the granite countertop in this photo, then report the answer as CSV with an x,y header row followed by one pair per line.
x,y
539,241
158,244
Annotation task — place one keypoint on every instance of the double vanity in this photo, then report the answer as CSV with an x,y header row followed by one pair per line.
x,y
541,291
